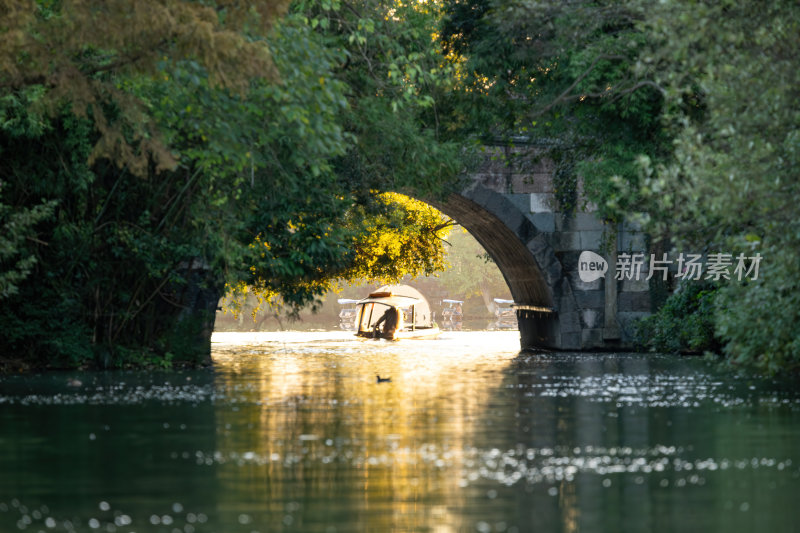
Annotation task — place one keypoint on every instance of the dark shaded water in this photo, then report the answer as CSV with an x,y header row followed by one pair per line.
x,y
292,433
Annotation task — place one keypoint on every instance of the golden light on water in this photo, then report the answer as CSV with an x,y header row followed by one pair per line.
x,y
292,432
318,403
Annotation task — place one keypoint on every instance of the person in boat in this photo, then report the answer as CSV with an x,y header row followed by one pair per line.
x,y
391,323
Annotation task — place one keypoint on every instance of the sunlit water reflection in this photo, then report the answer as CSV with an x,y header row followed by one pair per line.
x,y
292,432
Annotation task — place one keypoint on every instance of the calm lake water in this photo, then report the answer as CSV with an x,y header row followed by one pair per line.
x,y
291,432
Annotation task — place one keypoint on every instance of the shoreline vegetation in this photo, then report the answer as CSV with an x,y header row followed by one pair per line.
x,y
182,151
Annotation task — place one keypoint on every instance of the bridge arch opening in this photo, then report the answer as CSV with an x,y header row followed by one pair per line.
x,y
522,255
506,235
515,262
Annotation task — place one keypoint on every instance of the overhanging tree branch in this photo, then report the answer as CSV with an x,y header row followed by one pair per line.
x,y
565,95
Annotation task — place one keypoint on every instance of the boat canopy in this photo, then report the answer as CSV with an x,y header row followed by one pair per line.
x,y
403,297
346,301
394,301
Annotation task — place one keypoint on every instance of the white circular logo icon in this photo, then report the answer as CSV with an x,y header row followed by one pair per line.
x,y
591,266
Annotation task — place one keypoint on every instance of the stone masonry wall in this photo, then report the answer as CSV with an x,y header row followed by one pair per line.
x,y
596,314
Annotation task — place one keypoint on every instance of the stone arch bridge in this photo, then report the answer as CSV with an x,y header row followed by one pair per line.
x,y
509,205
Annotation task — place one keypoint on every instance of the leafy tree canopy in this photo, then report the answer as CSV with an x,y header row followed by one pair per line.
x,y
680,114
732,84
76,50
558,75
271,174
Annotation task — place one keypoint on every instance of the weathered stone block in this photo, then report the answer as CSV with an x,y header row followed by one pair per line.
x,y
570,341
562,289
592,338
539,245
547,261
531,182
520,201
543,181
569,322
496,204
579,285
579,221
591,240
544,222
551,269
588,221
542,202
635,285
494,181
513,220
565,241
477,194
592,318
634,301
526,230
586,299
564,222
569,260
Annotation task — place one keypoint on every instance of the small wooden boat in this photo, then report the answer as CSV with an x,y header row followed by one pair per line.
x,y
395,312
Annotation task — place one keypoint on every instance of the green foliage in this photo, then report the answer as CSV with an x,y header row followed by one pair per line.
x,y
270,184
683,115
559,75
45,44
392,237
731,80
397,80
37,301
759,320
684,324
336,224
734,121
401,237
16,227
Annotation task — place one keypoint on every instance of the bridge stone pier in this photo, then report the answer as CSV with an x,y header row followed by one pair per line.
x,y
510,206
